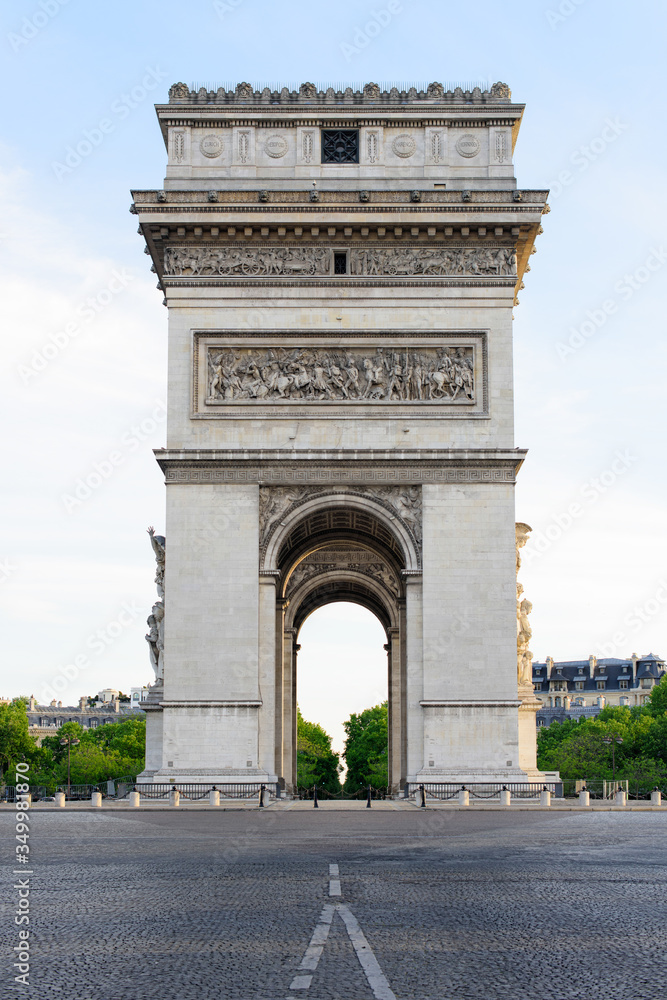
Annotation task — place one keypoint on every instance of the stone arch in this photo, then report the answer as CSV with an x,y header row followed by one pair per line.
x,y
294,518
342,585
340,547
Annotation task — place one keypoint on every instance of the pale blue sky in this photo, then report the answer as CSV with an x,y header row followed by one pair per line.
x,y
593,84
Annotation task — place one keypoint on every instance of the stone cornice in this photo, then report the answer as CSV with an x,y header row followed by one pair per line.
x,y
321,466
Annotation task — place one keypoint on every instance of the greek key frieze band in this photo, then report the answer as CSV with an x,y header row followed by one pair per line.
x,y
228,474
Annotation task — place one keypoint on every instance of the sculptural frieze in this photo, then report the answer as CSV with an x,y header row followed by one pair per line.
x,y
251,262
359,561
447,262
258,262
438,375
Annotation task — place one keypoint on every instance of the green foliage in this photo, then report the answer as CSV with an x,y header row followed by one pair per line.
x,y
114,750
577,751
315,760
366,748
16,744
657,704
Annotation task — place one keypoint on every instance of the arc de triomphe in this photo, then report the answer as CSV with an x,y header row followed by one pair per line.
x,y
340,270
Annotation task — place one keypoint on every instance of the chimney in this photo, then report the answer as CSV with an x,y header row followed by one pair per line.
x,y
83,703
53,703
116,704
592,664
32,703
550,665
634,669
60,704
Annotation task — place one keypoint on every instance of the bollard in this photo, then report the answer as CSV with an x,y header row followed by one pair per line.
x,y
656,797
505,796
60,799
368,797
96,799
174,797
214,797
620,799
584,797
422,797
315,805
25,799
135,799
464,796
545,797
262,789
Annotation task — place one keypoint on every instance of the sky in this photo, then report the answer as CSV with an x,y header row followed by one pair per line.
x,y
84,331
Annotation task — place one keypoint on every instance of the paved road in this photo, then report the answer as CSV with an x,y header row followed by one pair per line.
x,y
435,906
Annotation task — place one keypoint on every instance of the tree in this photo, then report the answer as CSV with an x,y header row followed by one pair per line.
x,y
366,748
657,703
316,762
16,744
114,750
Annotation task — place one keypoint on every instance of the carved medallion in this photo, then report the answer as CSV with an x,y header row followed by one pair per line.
x,y
276,146
211,145
404,145
468,145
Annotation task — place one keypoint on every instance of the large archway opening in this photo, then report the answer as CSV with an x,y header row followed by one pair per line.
x,y
342,667
334,555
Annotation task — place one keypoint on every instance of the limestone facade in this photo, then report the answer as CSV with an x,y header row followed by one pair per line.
x,y
340,271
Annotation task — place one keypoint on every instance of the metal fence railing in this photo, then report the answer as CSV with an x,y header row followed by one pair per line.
x,y
444,790
120,789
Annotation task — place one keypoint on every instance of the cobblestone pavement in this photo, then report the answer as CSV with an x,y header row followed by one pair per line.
x,y
451,906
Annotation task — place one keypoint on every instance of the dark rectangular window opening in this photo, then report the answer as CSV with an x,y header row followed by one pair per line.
x,y
340,145
340,263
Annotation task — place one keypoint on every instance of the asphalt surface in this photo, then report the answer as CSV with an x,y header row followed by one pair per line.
x,y
446,905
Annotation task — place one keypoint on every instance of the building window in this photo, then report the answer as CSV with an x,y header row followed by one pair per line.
x,y
340,145
643,699
579,685
601,685
623,685
624,700
537,685
557,702
340,263
646,682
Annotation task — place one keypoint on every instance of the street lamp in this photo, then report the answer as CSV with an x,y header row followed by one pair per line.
x,y
611,741
69,742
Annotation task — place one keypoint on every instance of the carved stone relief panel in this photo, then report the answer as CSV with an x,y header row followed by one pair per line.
x,y
435,146
336,559
439,375
243,140
267,261
444,262
501,146
179,146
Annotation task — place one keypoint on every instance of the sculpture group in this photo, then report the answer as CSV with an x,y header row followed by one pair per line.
x,y
441,374
155,622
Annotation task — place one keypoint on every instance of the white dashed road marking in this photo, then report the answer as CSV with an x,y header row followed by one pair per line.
x,y
369,963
